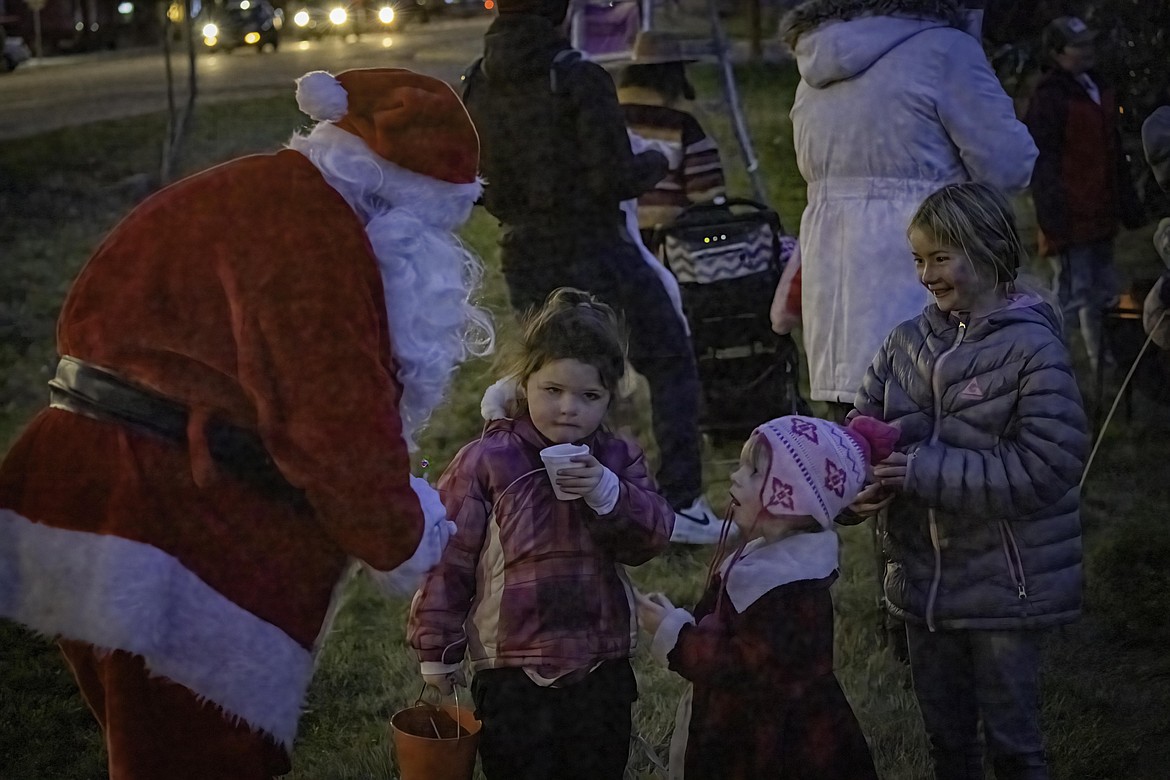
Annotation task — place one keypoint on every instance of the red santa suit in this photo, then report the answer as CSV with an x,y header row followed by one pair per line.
x,y
192,600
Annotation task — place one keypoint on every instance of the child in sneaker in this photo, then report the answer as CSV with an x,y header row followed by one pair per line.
x,y
758,648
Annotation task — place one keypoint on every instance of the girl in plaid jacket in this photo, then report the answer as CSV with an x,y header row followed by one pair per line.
x,y
531,588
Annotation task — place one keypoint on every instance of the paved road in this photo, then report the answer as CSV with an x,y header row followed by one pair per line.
x,y
75,90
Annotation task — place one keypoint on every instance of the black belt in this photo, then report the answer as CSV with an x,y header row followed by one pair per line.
x,y
96,393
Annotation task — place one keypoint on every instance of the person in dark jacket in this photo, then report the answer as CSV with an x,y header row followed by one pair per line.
x,y
1156,142
1081,185
983,526
557,164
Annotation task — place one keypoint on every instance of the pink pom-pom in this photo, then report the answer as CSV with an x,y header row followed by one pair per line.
x,y
876,438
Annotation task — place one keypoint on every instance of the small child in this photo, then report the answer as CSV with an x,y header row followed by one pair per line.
x,y
758,650
983,532
533,588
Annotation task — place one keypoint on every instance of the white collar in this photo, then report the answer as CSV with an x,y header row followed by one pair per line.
x,y
765,565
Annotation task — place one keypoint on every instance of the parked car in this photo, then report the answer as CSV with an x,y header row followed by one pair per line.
x,y
13,51
239,23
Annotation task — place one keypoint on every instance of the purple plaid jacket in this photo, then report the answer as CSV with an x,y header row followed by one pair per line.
x,y
527,580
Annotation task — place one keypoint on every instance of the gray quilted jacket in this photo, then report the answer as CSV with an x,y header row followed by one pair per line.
x,y
987,532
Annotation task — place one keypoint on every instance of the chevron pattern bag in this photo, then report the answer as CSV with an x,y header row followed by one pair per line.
x,y
718,242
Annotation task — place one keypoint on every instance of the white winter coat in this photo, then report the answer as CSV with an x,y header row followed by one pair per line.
x,y
888,110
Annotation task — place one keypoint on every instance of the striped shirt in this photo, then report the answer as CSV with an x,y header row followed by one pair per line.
x,y
696,173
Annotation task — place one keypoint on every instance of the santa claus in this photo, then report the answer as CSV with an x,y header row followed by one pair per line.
x,y
246,363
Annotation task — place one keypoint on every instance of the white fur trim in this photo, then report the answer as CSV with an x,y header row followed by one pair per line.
x,y
666,637
440,203
321,96
499,399
118,594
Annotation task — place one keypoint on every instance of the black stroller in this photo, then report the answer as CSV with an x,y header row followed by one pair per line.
x,y
728,258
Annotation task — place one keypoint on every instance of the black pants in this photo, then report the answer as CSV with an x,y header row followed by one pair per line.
x,y
659,349
581,732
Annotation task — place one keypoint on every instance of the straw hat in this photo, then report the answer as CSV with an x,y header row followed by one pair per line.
x,y
653,48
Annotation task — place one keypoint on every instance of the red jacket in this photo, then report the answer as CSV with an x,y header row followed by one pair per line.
x,y
247,293
1081,185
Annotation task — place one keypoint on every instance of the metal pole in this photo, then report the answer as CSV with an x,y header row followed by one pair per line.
x,y
737,119
37,34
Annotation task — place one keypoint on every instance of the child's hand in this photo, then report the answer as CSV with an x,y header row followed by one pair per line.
x,y
651,610
891,472
445,683
873,498
583,477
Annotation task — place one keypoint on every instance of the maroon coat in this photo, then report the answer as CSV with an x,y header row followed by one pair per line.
x,y
766,703
1081,185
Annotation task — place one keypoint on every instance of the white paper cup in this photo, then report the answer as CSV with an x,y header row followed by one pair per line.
x,y
557,457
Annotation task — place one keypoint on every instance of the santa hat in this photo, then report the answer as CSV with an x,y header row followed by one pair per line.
x,y
413,121
815,467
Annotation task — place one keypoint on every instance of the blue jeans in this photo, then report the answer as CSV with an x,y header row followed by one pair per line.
x,y
1085,283
961,677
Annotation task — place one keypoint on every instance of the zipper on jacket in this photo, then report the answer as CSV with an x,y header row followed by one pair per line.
x,y
1015,561
932,594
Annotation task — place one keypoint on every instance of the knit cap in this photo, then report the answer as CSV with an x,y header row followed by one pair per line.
x,y
816,467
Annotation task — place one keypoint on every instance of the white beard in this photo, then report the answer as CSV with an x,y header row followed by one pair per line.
x,y
428,276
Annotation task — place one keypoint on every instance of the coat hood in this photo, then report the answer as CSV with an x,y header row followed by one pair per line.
x,y
521,46
827,52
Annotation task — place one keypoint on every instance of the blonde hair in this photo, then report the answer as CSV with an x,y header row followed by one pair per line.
x,y
571,325
978,220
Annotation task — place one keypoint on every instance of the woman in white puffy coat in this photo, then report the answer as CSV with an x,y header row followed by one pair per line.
x,y
896,99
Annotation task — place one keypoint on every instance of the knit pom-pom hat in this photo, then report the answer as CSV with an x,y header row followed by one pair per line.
x,y
816,467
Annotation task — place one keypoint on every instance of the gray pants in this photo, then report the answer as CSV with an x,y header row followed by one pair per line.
x,y
1086,285
961,677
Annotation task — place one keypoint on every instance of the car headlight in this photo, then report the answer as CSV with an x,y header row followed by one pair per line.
x,y
301,18
210,30
252,37
385,14
338,16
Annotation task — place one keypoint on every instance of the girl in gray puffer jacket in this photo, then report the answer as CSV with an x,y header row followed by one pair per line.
x,y
983,529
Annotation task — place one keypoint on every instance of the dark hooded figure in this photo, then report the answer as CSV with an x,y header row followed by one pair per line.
x,y
557,163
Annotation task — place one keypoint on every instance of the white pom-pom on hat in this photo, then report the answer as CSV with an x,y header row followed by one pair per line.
x,y
321,96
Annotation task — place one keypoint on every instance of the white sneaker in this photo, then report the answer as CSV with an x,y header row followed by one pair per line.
x,y
698,524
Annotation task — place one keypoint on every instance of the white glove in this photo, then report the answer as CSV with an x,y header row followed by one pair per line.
x,y
604,497
444,681
437,530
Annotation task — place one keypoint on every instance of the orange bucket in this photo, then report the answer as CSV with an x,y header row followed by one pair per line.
x,y
435,741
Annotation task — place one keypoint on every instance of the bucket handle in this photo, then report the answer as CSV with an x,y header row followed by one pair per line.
x,y
459,729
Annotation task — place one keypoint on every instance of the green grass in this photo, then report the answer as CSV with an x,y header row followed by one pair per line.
x,y
1106,686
